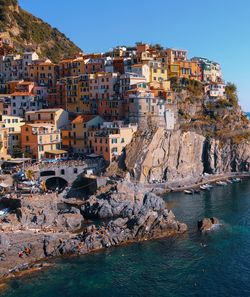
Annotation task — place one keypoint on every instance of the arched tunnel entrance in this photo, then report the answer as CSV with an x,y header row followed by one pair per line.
x,y
55,183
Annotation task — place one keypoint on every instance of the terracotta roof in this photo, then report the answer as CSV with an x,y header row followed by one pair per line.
x,y
21,94
47,64
137,65
83,119
26,83
39,125
44,110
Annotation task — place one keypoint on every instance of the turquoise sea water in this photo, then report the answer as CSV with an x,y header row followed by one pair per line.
x,y
178,266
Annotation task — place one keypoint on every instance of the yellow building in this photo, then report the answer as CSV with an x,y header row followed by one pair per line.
x,y
4,142
67,138
158,71
12,132
80,127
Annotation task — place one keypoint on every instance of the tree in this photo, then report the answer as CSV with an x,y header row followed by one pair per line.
x,y
17,152
30,174
231,93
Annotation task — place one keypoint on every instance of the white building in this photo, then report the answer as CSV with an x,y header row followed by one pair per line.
x,y
141,70
170,119
15,66
22,102
217,90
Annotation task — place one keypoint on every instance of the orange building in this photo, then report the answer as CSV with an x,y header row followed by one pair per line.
x,y
43,73
39,139
185,69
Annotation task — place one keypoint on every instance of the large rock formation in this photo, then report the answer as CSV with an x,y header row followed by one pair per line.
x,y
177,155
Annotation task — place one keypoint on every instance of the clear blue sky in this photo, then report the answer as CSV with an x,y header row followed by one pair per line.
x,y
216,29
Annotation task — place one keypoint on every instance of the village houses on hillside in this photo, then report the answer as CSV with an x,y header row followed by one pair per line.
x,y
92,104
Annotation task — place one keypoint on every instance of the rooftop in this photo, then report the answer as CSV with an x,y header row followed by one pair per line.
x,y
83,119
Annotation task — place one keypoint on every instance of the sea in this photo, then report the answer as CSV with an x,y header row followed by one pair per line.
x,y
214,264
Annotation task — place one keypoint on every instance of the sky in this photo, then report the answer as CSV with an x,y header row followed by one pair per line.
x,y
216,29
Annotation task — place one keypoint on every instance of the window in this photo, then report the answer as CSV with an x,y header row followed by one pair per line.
x,y
122,140
62,171
113,140
75,170
114,150
27,138
41,148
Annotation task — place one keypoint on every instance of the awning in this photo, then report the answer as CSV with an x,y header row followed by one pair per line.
x,y
93,156
56,152
17,161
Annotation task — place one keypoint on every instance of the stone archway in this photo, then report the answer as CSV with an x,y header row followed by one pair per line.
x,y
55,183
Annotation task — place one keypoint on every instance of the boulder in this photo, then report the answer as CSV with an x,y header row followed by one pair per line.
x,y
208,224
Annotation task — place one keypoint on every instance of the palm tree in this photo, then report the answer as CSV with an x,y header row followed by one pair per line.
x,y
43,186
30,174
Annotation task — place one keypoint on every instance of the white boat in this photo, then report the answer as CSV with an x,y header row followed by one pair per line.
x,y
221,183
208,186
204,188
188,192
237,180
4,212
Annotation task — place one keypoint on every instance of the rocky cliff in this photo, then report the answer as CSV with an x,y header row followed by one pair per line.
x,y
211,137
30,32
178,155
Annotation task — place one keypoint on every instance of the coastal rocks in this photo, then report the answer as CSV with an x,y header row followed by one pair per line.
x,y
41,212
48,227
125,201
71,222
151,222
208,224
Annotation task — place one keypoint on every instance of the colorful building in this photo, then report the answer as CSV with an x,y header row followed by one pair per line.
x,y
56,116
80,126
111,139
39,139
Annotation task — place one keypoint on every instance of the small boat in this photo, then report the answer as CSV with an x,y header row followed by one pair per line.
x,y
221,183
236,180
4,212
188,192
204,188
208,186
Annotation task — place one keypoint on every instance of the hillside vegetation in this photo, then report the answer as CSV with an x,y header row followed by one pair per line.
x,y
30,32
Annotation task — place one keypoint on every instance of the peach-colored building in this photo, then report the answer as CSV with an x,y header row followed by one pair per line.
x,y
111,139
39,139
